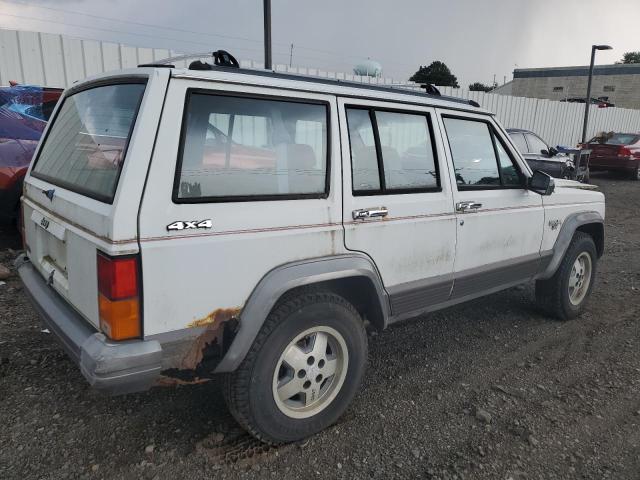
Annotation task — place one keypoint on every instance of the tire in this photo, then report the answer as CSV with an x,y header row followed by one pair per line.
x,y
253,392
587,177
635,174
554,296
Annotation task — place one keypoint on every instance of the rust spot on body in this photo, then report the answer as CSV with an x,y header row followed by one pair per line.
x,y
202,355
219,315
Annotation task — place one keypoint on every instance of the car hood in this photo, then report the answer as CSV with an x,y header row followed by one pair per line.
x,y
564,183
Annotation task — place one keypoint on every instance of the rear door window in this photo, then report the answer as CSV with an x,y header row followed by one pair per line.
x,y
86,145
391,152
240,148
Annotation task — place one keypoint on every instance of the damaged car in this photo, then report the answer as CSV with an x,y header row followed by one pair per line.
x,y
186,223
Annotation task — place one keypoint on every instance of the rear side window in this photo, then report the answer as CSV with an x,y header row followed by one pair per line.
x,y
391,152
480,159
86,145
622,139
240,148
535,144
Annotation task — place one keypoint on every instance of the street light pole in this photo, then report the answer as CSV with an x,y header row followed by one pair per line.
x,y
587,103
267,34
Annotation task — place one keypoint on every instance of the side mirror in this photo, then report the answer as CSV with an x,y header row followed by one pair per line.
x,y
541,183
553,151
545,152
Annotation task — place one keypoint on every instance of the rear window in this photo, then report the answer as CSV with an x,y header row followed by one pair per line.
x,y
86,145
240,148
622,139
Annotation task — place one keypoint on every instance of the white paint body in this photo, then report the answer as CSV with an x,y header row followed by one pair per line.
x,y
188,274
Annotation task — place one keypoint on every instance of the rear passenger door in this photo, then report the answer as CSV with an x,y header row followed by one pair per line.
x,y
500,222
397,200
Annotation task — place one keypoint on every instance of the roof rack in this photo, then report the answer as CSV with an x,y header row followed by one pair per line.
x,y
224,60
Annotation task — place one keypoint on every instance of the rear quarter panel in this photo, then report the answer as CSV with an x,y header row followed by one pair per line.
x,y
188,276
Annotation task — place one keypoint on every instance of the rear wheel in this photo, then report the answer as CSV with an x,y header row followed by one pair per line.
x,y
566,293
302,371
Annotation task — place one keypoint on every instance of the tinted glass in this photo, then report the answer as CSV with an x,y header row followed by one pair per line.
x,y
86,145
535,144
474,158
518,141
364,161
239,147
407,153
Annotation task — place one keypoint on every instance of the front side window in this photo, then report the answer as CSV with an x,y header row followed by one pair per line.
x,y
85,148
237,148
480,159
391,152
535,144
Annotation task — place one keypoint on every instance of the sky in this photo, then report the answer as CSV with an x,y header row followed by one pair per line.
x,y
477,39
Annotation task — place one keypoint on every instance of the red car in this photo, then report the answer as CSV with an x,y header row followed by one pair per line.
x,y
616,152
24,112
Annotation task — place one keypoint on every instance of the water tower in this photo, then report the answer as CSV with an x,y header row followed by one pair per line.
x,y
368,68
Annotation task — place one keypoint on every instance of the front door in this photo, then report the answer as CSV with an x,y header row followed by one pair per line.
x,y
500,223
397,200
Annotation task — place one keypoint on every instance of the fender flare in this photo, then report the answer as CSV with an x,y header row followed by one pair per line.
x,y
568,229
286,277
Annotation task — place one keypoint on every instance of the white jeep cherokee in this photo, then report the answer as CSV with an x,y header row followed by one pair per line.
x,y
185,223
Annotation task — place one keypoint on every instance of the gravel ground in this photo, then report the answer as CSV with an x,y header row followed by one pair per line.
x,y
491,389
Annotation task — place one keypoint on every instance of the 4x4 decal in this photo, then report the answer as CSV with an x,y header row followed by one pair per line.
x,y
190,225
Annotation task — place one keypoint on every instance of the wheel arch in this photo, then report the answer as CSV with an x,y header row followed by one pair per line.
x,y
352,276
590,223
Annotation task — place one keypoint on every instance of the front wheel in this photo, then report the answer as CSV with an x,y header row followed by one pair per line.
x,y
566,293
302,371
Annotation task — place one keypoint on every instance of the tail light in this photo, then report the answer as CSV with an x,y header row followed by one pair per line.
x,y
119,296
624,152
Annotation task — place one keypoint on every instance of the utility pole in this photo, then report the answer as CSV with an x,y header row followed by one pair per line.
x,y
291,56
587,103
267,35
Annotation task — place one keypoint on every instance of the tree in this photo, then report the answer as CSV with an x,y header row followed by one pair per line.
x,y
631,57
436,74
481,87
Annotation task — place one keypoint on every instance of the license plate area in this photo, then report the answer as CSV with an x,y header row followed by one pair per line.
x,y
50,250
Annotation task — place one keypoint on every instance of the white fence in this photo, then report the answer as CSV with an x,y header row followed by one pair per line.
x,y
559,123
57,61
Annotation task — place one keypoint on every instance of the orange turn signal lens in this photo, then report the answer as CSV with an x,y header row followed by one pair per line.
x,y
120,319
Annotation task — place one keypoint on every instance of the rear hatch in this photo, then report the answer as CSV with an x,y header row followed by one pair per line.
x,y
83,189
612,150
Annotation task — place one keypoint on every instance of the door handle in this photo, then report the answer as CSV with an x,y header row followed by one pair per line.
x,y
467,207
364,213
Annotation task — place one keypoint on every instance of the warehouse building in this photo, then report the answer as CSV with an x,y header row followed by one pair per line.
x,y
618,84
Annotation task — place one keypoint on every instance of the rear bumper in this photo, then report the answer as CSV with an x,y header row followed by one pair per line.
x,y
111,367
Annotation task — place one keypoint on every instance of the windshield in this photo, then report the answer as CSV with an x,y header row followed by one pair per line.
x,y
85,148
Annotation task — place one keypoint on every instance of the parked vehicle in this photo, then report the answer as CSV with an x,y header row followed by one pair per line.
x,y
182,224
601,102
616,152
540,156
24,112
